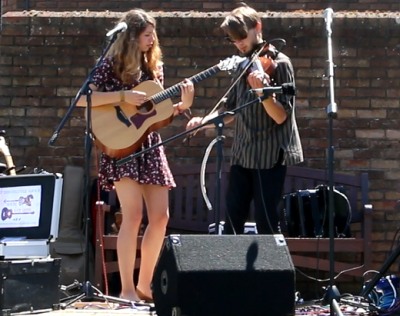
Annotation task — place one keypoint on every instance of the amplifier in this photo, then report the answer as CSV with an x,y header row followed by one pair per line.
x,y
224,275
29,285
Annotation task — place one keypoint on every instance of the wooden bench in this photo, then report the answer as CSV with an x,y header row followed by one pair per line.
x,y
189,214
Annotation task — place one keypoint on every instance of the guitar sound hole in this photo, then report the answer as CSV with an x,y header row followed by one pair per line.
x,y
145,107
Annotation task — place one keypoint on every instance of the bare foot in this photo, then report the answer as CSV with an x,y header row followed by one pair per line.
x,y
148,297
130,296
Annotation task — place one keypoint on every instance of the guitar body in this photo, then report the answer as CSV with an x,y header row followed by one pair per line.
x,y
120,129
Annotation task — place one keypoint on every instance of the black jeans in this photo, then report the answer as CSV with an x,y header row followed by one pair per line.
x,y
264,187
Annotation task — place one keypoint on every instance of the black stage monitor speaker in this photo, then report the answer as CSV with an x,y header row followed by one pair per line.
x,y
224,275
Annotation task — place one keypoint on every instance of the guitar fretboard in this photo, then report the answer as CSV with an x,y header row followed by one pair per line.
x,y
176,89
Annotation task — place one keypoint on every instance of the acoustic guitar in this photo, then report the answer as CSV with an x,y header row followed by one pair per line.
x,y
7,156
119,129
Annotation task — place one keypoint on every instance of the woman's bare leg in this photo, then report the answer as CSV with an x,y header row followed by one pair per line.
x,y
156,199
130,197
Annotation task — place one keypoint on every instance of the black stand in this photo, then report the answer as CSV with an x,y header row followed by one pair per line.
x,y
219,139
87,291
219,123
332,293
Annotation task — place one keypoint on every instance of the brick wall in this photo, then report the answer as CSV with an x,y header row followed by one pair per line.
x,y
45,57
203,5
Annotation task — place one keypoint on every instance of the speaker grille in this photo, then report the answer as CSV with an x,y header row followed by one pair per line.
x,y
224,275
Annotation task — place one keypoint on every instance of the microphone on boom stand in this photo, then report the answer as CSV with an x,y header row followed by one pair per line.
x,y
285,88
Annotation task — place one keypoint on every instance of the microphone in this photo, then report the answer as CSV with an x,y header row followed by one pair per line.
x,y
286,88
120,27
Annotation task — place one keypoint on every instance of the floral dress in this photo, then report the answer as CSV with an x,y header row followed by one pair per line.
x,y
149,168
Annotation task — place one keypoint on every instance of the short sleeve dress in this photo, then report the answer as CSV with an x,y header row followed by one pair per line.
x,y
149,168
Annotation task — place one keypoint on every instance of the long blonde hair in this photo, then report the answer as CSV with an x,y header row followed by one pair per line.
x,y
128,59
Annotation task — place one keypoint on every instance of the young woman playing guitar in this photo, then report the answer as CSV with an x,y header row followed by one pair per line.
x,y
135,57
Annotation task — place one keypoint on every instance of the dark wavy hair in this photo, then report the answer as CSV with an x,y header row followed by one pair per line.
x,y
239,21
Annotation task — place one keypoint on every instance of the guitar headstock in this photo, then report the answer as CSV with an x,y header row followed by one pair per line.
x,y
230,63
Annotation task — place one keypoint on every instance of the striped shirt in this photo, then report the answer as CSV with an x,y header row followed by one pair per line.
x,y
258,139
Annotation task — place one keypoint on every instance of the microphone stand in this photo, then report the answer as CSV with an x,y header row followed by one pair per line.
x,y
219,139
87,291
332,294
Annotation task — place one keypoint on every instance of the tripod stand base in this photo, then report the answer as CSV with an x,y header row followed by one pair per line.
x,y
90,294
332,293
331,297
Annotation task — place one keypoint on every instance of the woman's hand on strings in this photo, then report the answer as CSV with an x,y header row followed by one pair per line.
x,y
135,97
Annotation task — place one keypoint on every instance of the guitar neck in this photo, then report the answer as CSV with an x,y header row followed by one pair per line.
x,y
176,89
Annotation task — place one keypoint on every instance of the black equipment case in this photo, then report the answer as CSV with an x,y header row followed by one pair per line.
x,y
29,285
307,212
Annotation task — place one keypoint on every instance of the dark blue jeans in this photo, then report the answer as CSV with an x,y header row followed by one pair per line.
x,y
263,187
